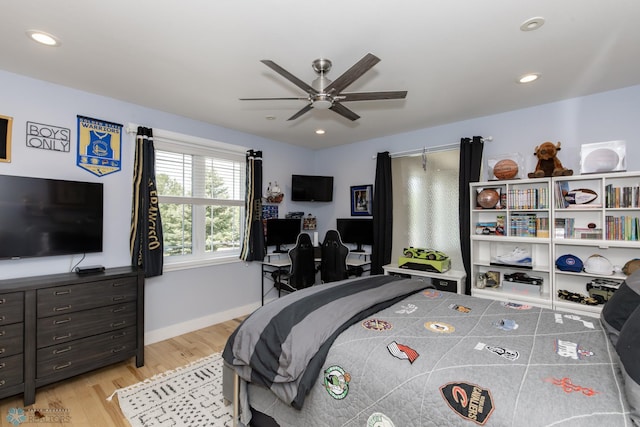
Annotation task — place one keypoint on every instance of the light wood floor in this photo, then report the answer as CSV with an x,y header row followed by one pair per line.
x,y
84,398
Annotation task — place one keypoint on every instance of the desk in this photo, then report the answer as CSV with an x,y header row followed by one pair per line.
x,y
441,279
275,263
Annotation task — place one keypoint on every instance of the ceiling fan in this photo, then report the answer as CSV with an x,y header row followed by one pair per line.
x,y
326,94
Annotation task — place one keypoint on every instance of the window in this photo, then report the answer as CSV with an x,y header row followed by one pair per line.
x,y
425,204
201,193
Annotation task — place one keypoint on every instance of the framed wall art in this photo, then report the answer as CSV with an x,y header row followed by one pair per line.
x,y
361,197
5,138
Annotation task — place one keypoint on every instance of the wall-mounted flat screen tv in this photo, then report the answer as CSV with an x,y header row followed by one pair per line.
x,y
311,188
47,217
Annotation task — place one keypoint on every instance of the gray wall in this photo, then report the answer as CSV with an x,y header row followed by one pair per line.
x,y
180,301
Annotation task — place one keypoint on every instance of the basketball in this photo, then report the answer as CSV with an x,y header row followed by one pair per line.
x,y
488,198
505,169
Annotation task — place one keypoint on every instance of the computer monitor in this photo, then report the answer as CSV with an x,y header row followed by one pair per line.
x,y
356,231
282,231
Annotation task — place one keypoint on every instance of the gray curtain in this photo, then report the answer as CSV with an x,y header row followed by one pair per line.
x,y
382,214
253,248
146,246
470,165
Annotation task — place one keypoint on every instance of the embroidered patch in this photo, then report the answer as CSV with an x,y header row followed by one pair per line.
x,y
460,308
402,351
586,323
468,400
378,419
443,328
515,306
503,352
336,381
568,387
407,309
377,325
432,293
505,324
572,350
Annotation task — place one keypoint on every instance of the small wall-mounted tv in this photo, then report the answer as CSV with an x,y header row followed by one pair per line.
x,y
46,217
311,188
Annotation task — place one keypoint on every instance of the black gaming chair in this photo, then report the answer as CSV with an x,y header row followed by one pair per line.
x,y
333,266
302,272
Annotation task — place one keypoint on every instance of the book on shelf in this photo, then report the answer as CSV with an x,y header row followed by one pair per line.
x,y
523,225
542,227
562,189
585,206
622,197
500,225
528,198
624,227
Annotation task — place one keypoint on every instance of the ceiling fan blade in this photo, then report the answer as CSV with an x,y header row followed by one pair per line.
x,y
353,73
274,99
370,96
287,75
301,112
344,111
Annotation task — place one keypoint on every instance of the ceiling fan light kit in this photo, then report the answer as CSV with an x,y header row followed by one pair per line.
x,y
324,94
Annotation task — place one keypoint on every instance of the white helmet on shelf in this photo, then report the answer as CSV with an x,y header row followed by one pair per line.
x,y
597,264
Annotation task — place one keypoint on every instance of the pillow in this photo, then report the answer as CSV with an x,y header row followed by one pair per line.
x,y
628,348
621,305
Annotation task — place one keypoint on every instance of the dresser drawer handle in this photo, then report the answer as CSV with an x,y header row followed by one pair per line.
x,y
3,365
63,308
65,292
118,350
61,337
116,324
3,300
118,336
62,350
58,367
118,298
2,383
61,321
3,333
118,310
3,350
3,318
118,284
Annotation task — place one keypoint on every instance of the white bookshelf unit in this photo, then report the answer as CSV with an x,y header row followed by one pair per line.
x,y
607,226
522,219
614,233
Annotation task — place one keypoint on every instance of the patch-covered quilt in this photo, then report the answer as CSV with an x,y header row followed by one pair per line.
x,y
441,359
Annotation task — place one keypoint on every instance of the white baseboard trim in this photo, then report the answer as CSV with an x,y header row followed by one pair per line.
x,y
161,334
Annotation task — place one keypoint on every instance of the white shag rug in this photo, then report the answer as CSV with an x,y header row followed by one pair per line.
x,y
188,396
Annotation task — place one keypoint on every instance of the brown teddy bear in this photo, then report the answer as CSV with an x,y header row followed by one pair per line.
x,y
548,162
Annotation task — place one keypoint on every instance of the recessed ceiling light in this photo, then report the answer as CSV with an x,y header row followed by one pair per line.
x,y
528,78
43,38
532,24
270,117
319,131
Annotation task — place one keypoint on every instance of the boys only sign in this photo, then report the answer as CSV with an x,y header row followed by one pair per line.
x,y
48,137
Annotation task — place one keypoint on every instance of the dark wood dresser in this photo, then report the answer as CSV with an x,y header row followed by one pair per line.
x,y
54,327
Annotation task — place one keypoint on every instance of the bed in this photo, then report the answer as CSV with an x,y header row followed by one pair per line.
x,y
386,351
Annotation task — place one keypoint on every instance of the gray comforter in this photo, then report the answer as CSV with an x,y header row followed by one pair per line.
x,y
442,359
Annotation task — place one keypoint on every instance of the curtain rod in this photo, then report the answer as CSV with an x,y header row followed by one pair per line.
x,y
434,149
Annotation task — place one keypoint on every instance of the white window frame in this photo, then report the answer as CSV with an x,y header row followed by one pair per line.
x,y
171,141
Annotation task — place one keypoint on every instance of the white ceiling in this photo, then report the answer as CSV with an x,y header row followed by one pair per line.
x,y
458,59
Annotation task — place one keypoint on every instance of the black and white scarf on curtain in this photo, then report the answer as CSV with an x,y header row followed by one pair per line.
x,y
253,242
146,245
